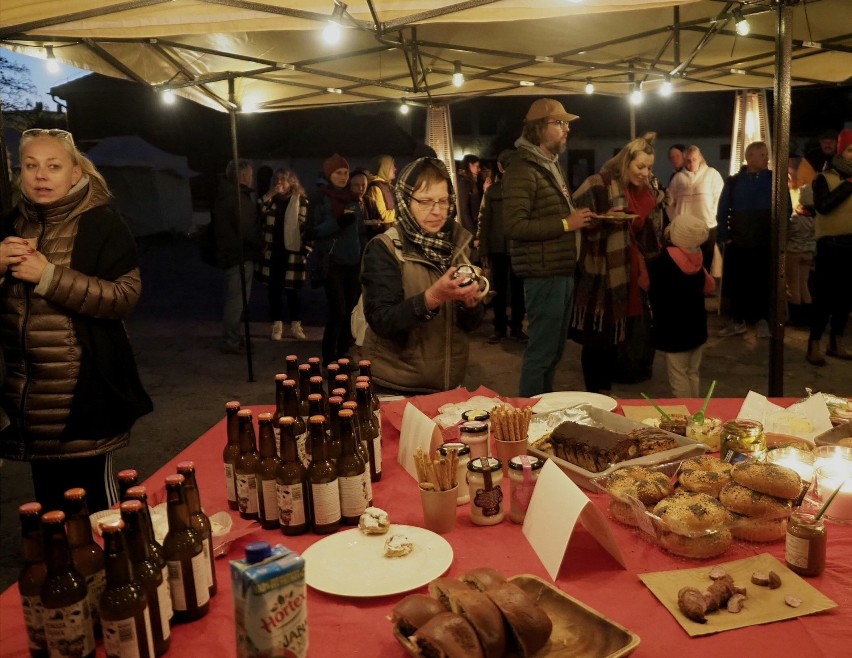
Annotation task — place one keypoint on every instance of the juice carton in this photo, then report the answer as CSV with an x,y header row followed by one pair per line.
x,y
270,603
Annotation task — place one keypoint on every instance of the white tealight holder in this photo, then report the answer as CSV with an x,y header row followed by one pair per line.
x,y
836,477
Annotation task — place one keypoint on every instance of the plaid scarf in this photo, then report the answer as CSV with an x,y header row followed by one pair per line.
x,y
435,247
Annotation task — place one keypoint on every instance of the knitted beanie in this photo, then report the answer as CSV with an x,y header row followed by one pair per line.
x,y
334,163
688,232
844,139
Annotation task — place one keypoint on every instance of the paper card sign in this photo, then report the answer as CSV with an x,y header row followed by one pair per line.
x,y
418,431
556,506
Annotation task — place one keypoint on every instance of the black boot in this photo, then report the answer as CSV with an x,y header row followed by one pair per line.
x,y
836,348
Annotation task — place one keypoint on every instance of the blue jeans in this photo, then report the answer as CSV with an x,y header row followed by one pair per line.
x,y
231,334
548,302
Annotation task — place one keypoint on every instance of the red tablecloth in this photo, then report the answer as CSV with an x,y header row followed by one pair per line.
x,y
588,573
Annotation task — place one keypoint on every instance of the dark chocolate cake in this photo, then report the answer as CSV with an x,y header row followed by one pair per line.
x,y
592,448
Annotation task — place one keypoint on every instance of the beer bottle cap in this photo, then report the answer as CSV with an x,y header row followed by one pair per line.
x,y
340,392
139,492
343,361
345,413
316,379
289,382
304,367
314,397
243,413
77,493
127,474
186,467
30,509
341,378
259,550
291,357
286,420
362,378
350,404
335,399
362,385
233,404
364,363
130,506
174,480
316,420
54,516
265,417
281,376
332,367
108,527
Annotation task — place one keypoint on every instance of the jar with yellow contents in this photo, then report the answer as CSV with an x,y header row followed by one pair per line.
x,y
741,440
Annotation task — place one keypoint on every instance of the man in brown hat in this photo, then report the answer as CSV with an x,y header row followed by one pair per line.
x,y
540,218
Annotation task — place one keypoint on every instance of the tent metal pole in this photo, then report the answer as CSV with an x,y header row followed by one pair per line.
x,y
235,154
780,195
5,169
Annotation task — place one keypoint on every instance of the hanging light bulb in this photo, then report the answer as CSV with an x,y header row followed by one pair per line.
x,y
403,107
168,97
666,88
51,64
332,32
636,97
458,76
743,28
590,88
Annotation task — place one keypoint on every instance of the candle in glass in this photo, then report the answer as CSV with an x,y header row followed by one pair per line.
x,y
829,478
800,461
832,455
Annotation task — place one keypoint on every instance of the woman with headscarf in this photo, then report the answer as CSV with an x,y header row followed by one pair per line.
x,y
609,307
418,314
70,278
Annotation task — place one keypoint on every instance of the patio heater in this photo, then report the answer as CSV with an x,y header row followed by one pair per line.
x,y
439,135
751,124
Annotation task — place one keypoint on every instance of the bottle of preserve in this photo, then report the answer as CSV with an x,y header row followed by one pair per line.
x,y
125,616
127,478
335,404
266,473
139,493
31,578
88,557
291,482
231,451
369,432
184,552
148,573
350,473
322,477
246,467
198,519
300,429
292,368
331,371
68,626
304,391
361,446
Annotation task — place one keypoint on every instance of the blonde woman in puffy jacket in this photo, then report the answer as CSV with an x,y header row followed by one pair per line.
x,y
70,277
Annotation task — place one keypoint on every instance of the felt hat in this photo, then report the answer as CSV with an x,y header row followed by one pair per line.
x,y
548,108
334,163
688,232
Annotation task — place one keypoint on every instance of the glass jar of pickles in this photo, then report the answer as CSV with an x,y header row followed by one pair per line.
x,y
741,440
463,452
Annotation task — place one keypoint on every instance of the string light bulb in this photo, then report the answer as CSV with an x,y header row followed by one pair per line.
x,y
666,88
51,64
458,76
590,87
332,32
403,107
168,97
743,28
636,97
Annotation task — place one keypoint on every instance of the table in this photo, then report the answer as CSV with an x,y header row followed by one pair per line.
x,y
588,574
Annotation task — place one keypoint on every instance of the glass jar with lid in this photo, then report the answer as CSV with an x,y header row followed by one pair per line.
x,y
484,479
463,452
523,473
742,439
806,540
475,434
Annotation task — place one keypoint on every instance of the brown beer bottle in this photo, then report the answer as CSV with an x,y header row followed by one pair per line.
x,y
127,478
148,573
291,482
335,404
266,473
88,557
361,447
322,477
304,391
292,368
246,467
343,362
300,429
198,519
279,409
231,451
317,389
369,432
125,616
331,371
365,368
139,493
68,626
31,578
350,473
184,553
316,366
343,381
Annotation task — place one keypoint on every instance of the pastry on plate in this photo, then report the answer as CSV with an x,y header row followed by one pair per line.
x,y
397,546
374,521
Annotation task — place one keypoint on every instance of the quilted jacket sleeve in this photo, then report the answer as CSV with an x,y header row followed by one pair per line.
x,y
93,296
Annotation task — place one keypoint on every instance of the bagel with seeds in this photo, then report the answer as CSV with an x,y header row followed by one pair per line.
x,y
699,547
687,513
770,479
704,475
748,502
758,530
622,512
647,486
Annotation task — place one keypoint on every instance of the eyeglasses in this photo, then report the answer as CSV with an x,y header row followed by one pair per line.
x,y
47,132
429,204
561,124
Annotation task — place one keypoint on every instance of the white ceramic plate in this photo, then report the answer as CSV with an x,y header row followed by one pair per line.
x,y
556,400
351,563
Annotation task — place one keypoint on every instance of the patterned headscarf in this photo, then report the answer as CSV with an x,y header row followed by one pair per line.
x,y
436,247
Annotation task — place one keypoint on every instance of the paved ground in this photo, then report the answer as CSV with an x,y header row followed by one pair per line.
x,y
175,333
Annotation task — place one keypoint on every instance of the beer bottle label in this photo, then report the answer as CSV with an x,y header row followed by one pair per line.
x,y
69,630
229,482
302,449
353,500
208,567
270,500
276,432
96,584
326,502
291,504
368,487
164,598
377,454
247,493
168,589
129,638
178,577
34,620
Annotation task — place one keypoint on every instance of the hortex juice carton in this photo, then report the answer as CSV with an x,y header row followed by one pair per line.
x,y
270,603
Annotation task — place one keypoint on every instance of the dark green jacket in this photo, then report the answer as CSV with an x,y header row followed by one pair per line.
x,y
533,209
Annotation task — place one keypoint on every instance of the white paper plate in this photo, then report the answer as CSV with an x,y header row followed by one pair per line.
x,y
556,400
351,563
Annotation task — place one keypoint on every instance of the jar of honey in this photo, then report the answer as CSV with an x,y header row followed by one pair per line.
x,y
806,541
484,478
741,440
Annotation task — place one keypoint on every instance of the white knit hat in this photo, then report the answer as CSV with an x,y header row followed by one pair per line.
x,y
688,232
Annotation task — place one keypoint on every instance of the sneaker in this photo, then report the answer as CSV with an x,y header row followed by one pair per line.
x,y
495,338
761,329
278,330
519,335
298,332
733,329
